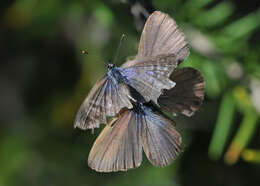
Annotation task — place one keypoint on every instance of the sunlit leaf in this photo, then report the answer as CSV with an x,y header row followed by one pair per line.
x,y
244,134
251,155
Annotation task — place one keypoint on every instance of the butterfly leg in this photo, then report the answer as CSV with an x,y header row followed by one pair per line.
x,y
131,98
112,121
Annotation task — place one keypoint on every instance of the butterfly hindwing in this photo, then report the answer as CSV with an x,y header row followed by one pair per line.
x,y
187,96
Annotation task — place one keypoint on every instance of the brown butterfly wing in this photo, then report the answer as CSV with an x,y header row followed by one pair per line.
x,y
161,142
160,35
118,148
105,99
188,93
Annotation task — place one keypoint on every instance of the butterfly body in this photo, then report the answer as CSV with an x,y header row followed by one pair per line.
x,y
115,74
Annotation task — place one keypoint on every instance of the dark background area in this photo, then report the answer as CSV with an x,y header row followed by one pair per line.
x,y
44,78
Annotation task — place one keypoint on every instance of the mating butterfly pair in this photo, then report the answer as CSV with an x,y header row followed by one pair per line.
x,y
133,93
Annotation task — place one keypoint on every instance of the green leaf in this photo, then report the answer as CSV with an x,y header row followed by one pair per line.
x,y
104,14
223,126
242,26
213,17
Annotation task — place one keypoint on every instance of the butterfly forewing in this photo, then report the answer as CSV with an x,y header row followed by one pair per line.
x,y
118,147
187,96
161,35
105,99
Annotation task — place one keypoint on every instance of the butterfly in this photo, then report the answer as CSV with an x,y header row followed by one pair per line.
x,y
162,47
119,145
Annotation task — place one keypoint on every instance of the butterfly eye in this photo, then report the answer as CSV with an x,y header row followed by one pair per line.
x,y
110,66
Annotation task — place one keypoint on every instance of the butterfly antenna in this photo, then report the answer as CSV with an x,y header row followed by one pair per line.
x,y
118,48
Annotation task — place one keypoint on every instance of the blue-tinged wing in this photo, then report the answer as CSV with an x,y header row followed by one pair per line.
x,y
150,77
118,147
161,142
187,96
105,99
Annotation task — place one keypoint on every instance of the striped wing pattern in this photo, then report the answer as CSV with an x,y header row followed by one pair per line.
x,y
149,78
161,35
105,99
161,142
119,147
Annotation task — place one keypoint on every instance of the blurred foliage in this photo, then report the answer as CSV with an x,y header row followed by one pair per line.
x,y
44,78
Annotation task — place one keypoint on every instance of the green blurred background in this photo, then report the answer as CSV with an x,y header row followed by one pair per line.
x,y
44,78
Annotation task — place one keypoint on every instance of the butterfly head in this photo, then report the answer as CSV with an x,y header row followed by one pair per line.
x,y
110,66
